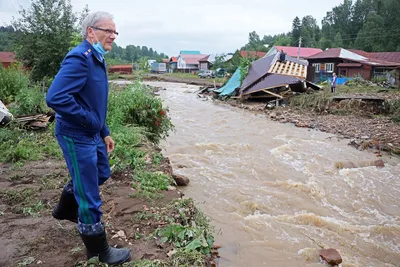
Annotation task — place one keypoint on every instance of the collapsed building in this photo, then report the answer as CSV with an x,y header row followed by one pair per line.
x,y
272,77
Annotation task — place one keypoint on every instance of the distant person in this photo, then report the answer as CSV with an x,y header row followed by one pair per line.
x,y
333,83
79,96
282,56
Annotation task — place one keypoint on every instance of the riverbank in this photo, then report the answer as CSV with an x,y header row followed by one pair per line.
x,y
275,191
170,77
367,125
143,208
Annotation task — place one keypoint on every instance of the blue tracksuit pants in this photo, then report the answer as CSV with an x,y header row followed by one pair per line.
x,y
87,161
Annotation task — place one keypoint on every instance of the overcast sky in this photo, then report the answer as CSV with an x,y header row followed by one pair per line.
x,y
207,25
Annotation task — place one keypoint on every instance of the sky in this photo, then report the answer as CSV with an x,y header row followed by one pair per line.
x,y
209,26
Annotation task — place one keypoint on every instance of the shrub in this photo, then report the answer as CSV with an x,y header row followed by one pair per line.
x,y
137,105
29,101
12,81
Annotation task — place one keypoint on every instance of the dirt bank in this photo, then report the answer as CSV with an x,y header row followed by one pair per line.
x,y
30,236
167,78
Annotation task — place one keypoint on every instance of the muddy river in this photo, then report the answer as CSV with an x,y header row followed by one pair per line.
x,y
272,190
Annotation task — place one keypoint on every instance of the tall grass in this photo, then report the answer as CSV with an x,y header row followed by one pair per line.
x,y
12,81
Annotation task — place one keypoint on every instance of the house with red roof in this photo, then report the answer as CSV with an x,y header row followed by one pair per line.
x,y
252,54
303,52
347,63
188,61
7,58
172,64
388,56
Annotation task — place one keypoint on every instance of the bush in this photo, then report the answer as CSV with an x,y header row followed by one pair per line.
x,y
137,105
379,79
29,101
12,81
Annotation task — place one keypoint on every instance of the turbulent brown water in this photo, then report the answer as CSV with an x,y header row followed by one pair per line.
x,y
272,190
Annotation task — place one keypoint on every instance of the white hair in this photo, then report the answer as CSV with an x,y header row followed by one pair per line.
x,y
92,19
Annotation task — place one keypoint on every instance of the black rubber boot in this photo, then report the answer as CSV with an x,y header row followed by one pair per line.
x,y
67,208
98,245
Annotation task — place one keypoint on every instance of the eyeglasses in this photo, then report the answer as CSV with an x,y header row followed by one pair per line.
x,y
108,32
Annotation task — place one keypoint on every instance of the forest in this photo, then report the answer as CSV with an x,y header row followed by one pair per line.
x,y
369,25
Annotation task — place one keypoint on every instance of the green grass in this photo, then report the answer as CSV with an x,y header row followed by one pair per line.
x,y
19,145
180,259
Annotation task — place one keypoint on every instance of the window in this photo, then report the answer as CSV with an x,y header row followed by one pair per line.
x,y
329,67
317,67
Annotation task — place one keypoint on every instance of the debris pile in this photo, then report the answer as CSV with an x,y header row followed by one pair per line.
x,y
269,78
359,81
35,122
31,122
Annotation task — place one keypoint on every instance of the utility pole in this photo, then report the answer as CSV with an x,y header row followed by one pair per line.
x,y
298,51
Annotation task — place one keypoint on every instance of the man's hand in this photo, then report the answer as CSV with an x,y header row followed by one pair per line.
x,y
109,143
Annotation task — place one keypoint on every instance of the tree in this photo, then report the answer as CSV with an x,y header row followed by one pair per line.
x,y
296,31
283,40
324,43
367,39
44,35
310,31
145,51
255,43
338,41
6,43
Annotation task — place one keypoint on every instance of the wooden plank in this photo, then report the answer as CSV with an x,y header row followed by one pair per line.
x,y
268,92
271,69
272,87
276,67
280,68
286,92
261,96
291,67
371,98
301,71
286,69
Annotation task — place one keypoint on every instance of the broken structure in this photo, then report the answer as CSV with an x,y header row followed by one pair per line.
x,y
271,77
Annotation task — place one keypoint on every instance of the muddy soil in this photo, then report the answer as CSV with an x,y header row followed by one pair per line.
x,y
172,79
31,236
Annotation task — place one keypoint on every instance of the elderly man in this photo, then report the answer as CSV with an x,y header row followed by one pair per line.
x,y
79,95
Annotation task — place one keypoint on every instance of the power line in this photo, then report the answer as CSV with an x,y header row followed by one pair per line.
x,y
367,37
13,6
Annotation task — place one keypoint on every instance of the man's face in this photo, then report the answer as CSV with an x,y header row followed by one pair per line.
x,y
105,33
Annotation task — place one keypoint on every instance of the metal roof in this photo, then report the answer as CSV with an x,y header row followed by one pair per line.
x,y
355,55
192,59
337,53
258,77
387,56
7,57
293,51
245,53
189,52
271,81
212,57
